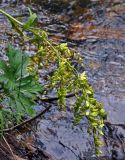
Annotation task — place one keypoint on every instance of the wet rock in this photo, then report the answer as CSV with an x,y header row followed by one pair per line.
x,y
62,139
115,141
97,31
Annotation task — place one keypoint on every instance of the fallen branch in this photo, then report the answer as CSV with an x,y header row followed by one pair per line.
x,y
27,121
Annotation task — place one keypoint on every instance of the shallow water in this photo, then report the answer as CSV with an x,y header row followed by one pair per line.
x,y
97,30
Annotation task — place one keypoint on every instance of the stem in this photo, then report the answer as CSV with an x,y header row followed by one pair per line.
x,y
11,18
9,147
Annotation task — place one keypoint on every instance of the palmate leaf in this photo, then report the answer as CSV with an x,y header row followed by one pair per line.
x,y
14,69
27,104
18,61
29,86
20,87
31,91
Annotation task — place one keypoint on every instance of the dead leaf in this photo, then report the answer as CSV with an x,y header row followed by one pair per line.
x,y
28,144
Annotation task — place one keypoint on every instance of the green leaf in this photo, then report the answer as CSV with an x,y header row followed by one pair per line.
x,y
3,66
31,20
20,87
19,110
18,61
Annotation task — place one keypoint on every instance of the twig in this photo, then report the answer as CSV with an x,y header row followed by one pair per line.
x,y
9,147
50,99
70,150
27,121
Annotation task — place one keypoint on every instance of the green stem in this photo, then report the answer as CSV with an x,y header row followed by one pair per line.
x,y
11,18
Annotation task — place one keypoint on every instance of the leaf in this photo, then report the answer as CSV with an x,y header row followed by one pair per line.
x,y
31,20
20,87
27,104
19,110
31,88
31,111
18,61
3,66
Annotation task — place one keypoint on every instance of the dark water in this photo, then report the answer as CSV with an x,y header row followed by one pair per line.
x,y
97,30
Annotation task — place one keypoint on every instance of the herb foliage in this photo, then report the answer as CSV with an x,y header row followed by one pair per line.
x,y
18,88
